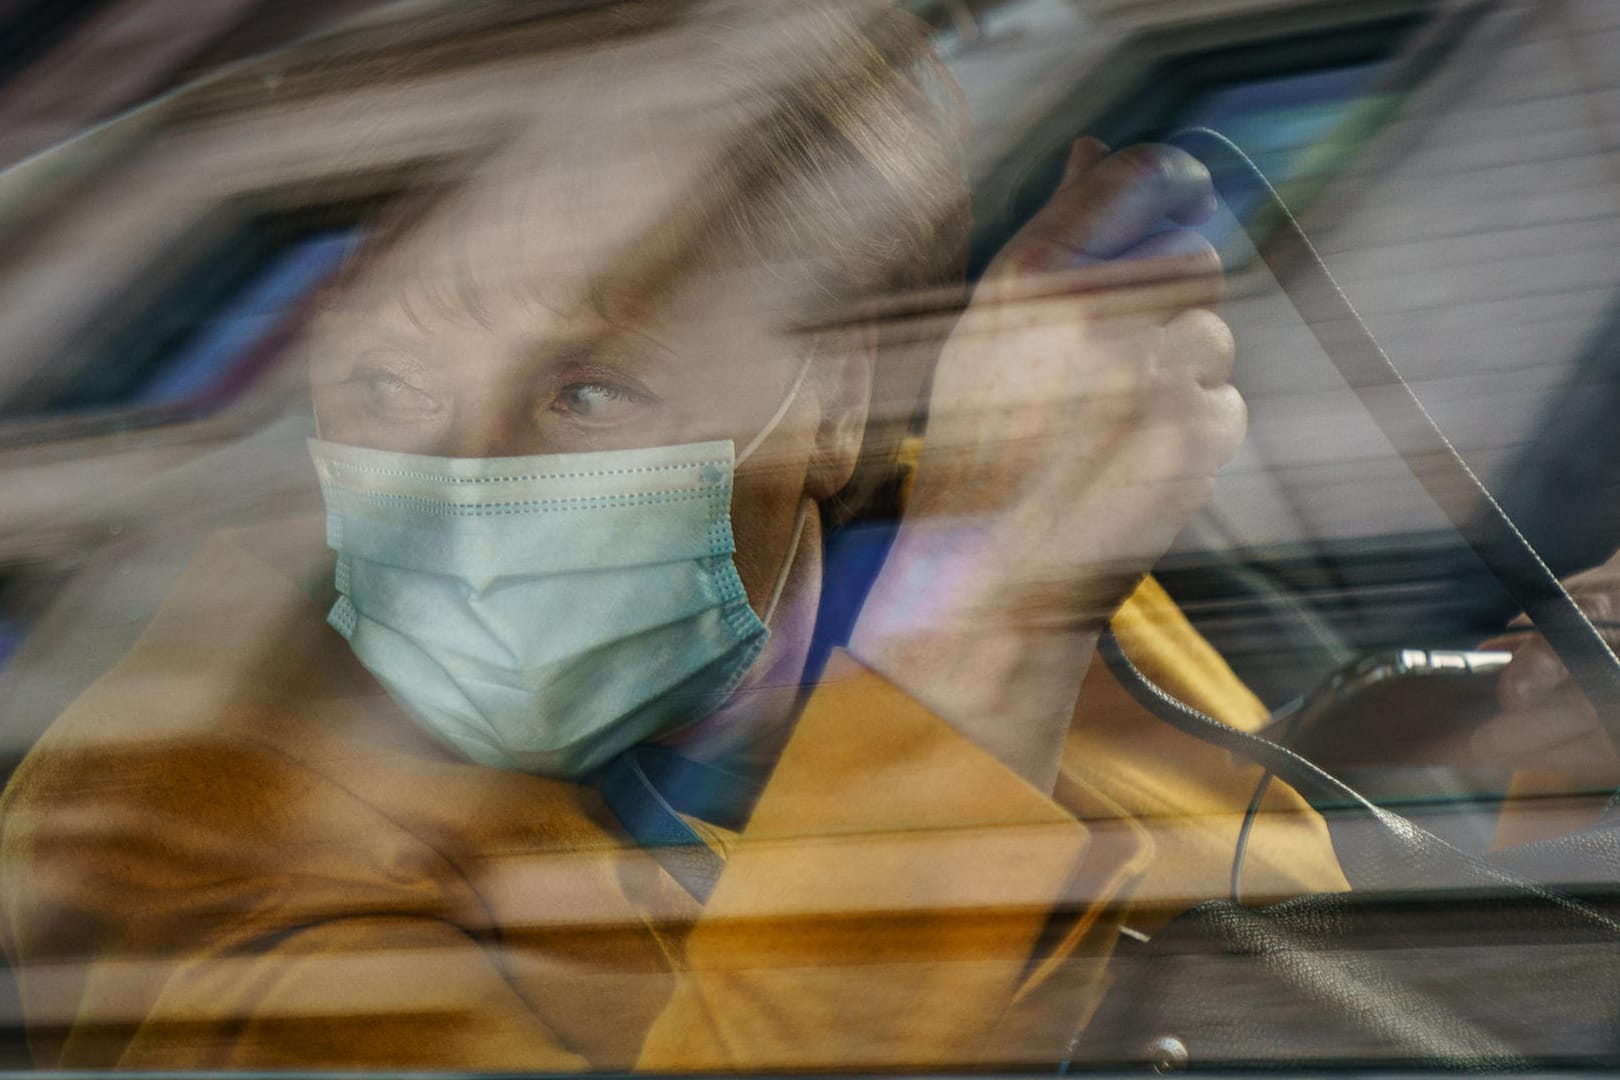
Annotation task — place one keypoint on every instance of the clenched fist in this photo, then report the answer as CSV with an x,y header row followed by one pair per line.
x,y
1080,410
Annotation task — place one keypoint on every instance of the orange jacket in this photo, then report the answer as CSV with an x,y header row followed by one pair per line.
x,y
234,851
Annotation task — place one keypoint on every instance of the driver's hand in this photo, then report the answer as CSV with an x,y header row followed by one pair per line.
x,y
1080,409
1546,722
1082,405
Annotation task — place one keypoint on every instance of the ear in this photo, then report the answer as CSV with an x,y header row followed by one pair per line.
x,y
843,379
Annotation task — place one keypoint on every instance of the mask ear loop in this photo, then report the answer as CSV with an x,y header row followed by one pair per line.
x,y
776,417
804,503
788,560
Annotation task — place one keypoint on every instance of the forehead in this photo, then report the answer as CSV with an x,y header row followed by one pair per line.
x,y
617,146
566,205
609,192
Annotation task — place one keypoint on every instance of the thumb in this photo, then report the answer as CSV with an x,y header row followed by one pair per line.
x,y
1083,154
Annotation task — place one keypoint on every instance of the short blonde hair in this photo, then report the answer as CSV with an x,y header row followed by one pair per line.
x,y
846,170
860,163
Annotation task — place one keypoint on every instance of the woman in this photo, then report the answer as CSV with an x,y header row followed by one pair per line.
x,y
579,435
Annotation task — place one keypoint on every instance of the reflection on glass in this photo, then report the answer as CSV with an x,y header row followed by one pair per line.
x,y
224,352
11,636
1297,128
1276,120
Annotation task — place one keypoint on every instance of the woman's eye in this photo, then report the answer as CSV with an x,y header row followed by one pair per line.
x,y
600,402
387,395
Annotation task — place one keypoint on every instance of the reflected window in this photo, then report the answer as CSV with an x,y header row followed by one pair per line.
x,y
11,635
207,339
1278,120
31,29
1298,129
25,589
223,350
1300,106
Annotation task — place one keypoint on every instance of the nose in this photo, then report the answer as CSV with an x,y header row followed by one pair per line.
x,y
496,419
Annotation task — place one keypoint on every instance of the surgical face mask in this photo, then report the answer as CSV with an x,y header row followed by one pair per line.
x,y
545,613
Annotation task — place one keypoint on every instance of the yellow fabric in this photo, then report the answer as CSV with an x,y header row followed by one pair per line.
x,y
1189,796
1154,632
233,851
1545,803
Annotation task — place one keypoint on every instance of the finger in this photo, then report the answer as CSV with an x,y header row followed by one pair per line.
x,y
1174,244
1085,152
1177,253
1130,193
1533,673
1600,599
1226,423
1562,727
1178,431
1153,290
1167,243
1199,343
1110,207
1597,580
1536,670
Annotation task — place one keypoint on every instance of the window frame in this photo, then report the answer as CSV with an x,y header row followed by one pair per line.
x,y
1162,69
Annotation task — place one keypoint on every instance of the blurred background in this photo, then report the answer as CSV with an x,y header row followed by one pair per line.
x,y
179,179
182,177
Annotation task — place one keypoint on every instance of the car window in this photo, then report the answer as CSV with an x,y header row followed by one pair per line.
x,y
727,536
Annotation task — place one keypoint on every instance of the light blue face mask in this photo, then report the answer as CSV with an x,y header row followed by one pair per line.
x,y
545,613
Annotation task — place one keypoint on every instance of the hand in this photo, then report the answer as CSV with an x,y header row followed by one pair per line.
x,y
1079,412
1081,407
1546,722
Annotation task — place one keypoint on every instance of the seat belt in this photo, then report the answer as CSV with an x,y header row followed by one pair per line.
x,y
1406,423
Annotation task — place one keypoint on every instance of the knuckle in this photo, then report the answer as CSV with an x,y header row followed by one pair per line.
x,y
1203,345
1189,168
1209,328
1200,253
1158,163
1223,345
1237,416
1226,422
1142,163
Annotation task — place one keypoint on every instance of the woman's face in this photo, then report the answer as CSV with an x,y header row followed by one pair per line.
x,y
484,336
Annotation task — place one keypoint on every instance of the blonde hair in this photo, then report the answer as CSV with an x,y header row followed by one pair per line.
x,y
857,165
844,169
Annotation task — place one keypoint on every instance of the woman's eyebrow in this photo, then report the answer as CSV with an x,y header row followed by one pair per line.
x,y
551,351
618,296
417,351
619,315
635,351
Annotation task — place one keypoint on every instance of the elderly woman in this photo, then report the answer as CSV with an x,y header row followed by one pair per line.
x,y
580,433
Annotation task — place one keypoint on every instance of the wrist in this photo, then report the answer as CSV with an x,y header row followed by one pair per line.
x,y
944,624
